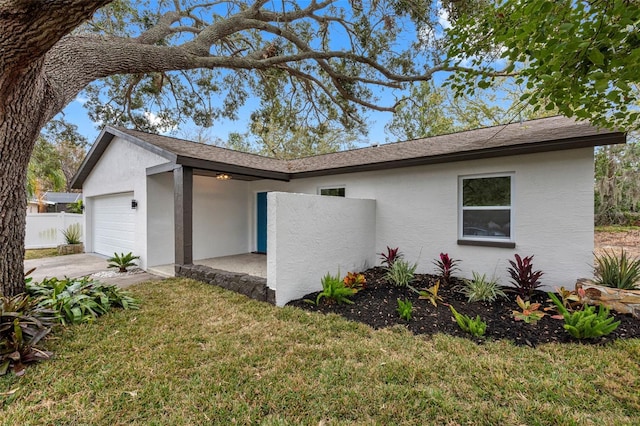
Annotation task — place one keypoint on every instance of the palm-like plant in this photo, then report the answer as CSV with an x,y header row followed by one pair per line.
x,y
122,261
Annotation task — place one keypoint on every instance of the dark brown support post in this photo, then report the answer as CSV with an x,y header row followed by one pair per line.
x,y
183,214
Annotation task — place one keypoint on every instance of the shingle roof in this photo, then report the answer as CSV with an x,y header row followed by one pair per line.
x,y
523,134
546,134
62,197
189,149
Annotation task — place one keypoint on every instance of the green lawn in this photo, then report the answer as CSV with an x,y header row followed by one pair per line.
x,y
616,228
196,354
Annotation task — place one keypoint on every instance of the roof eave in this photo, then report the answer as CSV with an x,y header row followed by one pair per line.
x,y
222,167
99,147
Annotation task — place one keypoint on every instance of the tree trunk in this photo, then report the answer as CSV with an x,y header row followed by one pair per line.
x,y
21,117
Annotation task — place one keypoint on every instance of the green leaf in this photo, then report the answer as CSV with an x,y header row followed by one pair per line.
x,y
566,27
601,85
596,57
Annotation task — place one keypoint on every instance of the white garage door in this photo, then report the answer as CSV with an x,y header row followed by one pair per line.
x,y
113,224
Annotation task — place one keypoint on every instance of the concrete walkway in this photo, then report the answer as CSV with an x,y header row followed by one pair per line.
x,y
80,265
246,263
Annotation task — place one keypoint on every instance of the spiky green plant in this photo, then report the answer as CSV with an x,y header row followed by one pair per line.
x,y
122,261
334,290
405,309
401,273
617,271
72,234
475,327
586,323
480,288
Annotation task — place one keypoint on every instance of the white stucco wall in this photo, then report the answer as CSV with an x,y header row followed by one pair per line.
x,y
121,168
160,220
310,235
220,210
417,211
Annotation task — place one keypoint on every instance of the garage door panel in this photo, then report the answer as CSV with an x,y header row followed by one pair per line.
x,y
113,224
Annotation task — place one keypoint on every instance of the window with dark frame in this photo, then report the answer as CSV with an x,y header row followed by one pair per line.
x,y
333,192
486,207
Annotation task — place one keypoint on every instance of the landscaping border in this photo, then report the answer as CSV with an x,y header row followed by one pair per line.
x,y
249,285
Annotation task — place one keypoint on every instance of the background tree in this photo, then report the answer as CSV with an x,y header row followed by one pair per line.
x,y
56,156
157,63
44,172
579,57
71,148
275,132
617,187
431,110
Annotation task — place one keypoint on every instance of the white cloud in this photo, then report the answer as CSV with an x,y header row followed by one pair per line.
x,y
81,100
164,126
443,17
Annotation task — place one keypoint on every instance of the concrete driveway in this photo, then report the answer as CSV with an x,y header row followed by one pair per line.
x,y
80,265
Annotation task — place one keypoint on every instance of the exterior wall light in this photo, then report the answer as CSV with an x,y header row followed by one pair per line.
x,y
134,204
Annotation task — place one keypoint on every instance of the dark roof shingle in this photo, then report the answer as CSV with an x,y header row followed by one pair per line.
x,y
546,134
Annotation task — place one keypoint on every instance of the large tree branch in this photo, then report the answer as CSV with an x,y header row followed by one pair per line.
x,y
31,27
78,60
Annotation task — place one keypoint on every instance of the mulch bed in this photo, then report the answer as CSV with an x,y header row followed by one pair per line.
x,y
376,306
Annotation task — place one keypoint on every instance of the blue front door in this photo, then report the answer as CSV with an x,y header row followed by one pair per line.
x,y
262,222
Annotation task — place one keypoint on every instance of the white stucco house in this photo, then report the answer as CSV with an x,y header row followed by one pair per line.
x,y
481,196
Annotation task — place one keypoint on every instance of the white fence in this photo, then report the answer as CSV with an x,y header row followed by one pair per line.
x,y
44,230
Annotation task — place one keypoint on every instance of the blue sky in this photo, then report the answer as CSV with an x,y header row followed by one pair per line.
x,y
76,114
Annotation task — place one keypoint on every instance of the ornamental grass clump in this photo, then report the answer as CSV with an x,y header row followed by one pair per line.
x,y
73,234
401,274
481,289
621,272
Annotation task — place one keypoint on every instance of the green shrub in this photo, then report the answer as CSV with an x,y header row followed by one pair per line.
x,y
334,290
586,324
76,207
72,234
23,324
401,273
475,327
405,309
122,261
618,272
79,300
482,289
